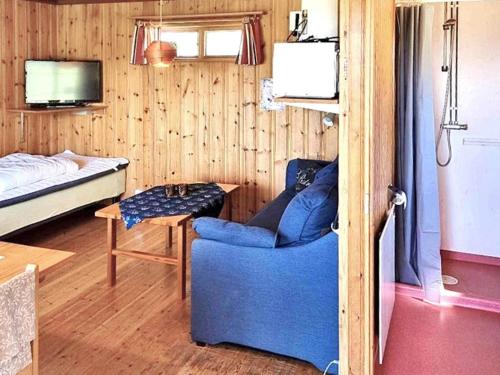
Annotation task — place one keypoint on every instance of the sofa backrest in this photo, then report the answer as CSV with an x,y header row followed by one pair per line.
x,y
292,169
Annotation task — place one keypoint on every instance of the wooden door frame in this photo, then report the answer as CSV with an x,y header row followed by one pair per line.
x,y
366,149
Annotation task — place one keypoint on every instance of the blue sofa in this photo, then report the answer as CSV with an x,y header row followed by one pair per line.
x,y
248,289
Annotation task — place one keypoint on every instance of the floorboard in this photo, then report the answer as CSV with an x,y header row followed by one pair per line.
x,y
138,327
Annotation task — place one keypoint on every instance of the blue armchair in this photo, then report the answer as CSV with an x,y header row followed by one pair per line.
x,y
247,289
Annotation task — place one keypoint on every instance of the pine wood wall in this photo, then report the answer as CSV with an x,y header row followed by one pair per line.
x,y
27,30
193,121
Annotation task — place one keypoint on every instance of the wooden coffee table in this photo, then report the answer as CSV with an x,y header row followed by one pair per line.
x,y
113,215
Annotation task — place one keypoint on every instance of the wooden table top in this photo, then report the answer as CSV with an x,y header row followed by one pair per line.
x,y
113,211
14,258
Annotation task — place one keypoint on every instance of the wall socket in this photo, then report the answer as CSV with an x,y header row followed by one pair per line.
x,y
296,18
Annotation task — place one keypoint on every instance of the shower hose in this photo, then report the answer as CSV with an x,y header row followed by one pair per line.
x,y
442,128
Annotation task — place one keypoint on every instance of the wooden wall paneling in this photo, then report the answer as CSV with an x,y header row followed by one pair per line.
x,y
7,140
62,53
203,139
233,129
95,46
135,123
249,147
382,136
122,95
281,119
3,69
189,87
173,124
160,118
21,52
366,146
190,127
314,133
78,128
217,122
249,84
188,109
173,121
352,250
149,141
109,79
33,131
203,156
47,49
330,141
264,123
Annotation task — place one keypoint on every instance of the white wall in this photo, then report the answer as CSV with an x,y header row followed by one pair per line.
x,y
470,186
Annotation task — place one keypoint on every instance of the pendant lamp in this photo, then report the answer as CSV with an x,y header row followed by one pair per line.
x,y
160,54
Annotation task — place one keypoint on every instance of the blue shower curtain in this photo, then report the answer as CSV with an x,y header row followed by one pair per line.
x,y
418,237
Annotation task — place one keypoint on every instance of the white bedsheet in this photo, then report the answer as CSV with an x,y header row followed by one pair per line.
x,y
88,166
19,169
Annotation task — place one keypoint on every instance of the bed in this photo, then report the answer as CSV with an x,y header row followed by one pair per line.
x,y
75,182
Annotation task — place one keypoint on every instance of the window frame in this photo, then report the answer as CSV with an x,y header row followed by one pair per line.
x,y
201,29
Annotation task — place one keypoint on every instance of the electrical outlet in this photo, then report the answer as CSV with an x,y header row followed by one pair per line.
x,y
295,19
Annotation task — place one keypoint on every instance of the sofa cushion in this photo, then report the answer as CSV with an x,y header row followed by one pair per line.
x,y
228,232
269,217
311,211
328,174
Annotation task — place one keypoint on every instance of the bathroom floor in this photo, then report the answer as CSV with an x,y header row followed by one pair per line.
x,y
474,279
425,339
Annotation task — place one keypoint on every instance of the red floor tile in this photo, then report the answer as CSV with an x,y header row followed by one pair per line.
x,y
429,340
474,280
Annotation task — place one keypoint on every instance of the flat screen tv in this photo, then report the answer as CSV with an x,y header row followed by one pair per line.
x,y
63,83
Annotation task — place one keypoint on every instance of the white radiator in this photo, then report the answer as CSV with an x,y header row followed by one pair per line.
x,y
387,279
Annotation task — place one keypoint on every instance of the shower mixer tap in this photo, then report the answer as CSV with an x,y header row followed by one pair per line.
x,y
455,126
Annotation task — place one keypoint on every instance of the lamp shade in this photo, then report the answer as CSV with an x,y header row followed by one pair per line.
x,y
160,54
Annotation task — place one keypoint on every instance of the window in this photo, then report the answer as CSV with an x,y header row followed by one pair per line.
x,y
202,43
222,42
187,42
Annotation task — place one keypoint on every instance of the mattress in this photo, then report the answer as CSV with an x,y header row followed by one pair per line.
x,y
97,179
38,209
89,168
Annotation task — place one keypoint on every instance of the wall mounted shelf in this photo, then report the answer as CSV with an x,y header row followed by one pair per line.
x,y
316,104
28,111
54,110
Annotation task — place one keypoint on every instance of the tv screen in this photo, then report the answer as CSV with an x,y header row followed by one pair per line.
x,y
63,82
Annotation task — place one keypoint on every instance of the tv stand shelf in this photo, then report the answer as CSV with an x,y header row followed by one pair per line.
x,y
77,110
54,110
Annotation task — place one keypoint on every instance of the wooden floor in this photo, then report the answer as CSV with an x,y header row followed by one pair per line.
x,y
138,327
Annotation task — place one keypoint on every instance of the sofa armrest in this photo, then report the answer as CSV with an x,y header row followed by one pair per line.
x,y
228,232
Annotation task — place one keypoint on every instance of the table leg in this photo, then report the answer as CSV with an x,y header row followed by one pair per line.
x,y
111,257
181,260
169,238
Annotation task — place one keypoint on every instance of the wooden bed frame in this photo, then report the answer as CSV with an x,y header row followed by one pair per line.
x,y
113,193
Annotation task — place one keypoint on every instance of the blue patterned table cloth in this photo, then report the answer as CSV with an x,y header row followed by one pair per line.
x,y
202,200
